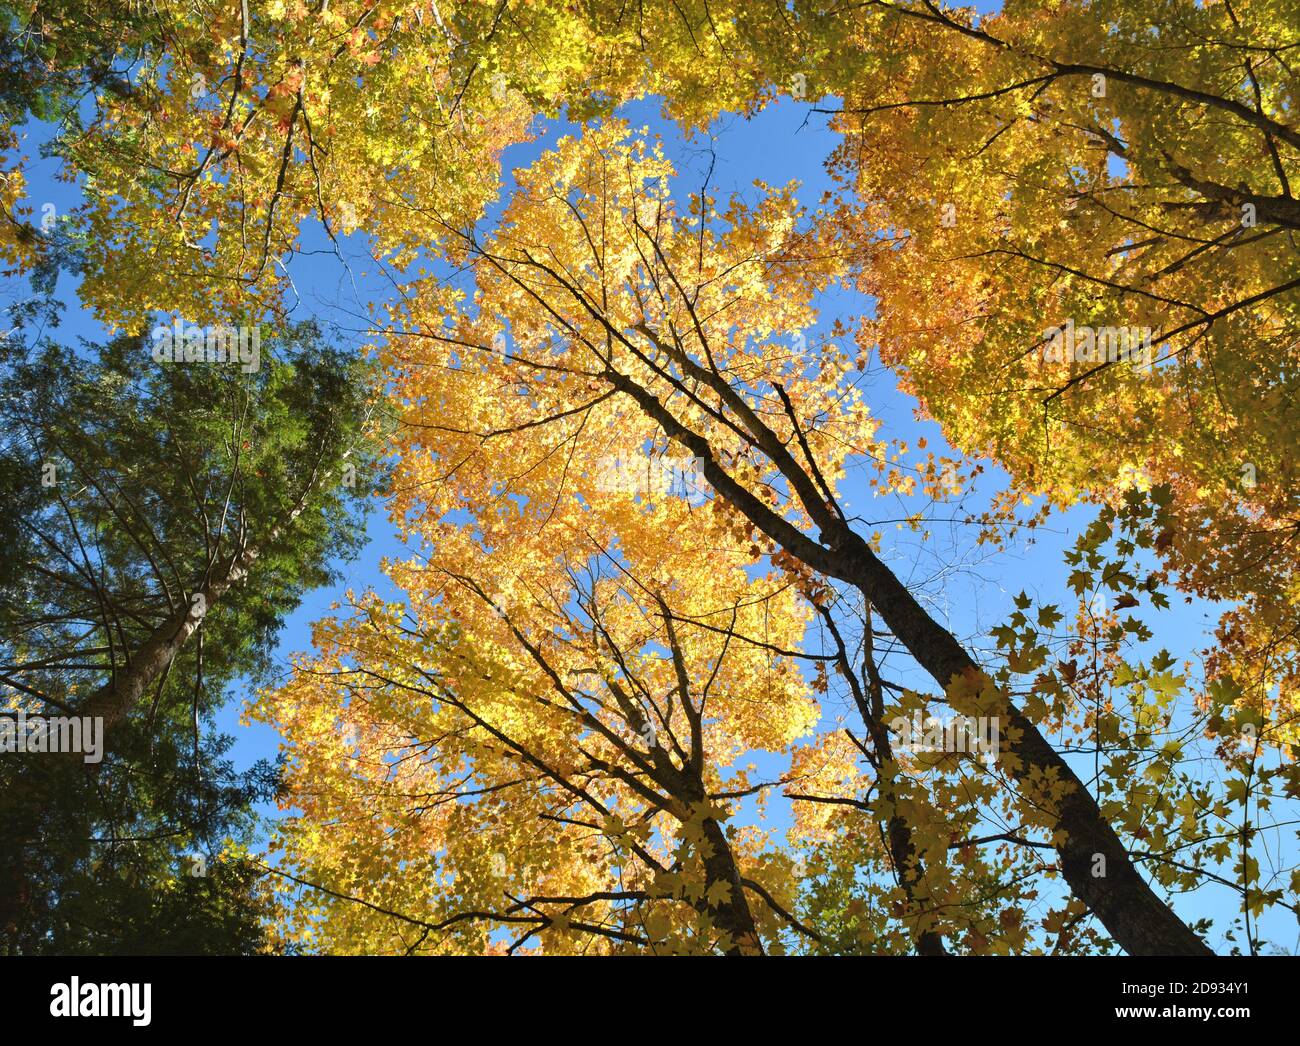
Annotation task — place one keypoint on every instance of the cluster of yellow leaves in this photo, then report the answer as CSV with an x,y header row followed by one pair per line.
x,y
1010,187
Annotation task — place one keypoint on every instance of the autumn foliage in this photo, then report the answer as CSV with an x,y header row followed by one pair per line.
x,y
636,683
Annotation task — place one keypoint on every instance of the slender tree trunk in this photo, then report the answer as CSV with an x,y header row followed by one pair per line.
x,y
119,695
1092,857
116,698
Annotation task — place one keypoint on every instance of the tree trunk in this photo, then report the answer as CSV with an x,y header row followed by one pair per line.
x,y
1133,915
734,917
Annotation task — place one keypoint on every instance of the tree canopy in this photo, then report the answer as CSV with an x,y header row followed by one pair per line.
x,y
644,608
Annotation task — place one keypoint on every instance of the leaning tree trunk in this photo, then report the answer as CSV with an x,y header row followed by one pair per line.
x,y
1122,900
116,698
